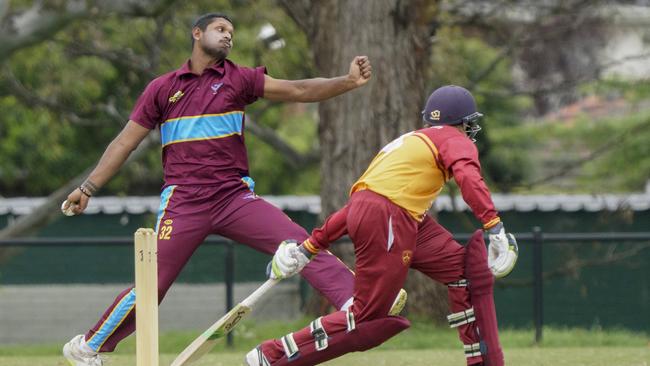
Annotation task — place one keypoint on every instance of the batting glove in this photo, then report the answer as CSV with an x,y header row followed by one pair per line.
x,y
288,260
502,251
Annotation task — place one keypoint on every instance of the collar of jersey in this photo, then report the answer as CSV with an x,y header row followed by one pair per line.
x,y
219,68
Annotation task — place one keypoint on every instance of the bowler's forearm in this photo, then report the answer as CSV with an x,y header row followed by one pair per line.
x,y
116,154
307,90
315,90
113,158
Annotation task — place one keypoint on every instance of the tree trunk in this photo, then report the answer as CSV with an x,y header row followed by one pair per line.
x,y
354,127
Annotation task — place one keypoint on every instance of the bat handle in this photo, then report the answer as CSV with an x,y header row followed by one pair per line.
x,y
255,296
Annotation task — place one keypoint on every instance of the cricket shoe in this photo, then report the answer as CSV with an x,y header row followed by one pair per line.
x,y
79,354
256,358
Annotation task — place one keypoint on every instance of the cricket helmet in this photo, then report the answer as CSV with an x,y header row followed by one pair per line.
x,y
452,105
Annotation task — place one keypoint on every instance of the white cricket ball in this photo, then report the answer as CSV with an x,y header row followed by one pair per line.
x,y
68,211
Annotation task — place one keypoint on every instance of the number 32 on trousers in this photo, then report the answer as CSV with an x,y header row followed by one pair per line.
x,y
165,232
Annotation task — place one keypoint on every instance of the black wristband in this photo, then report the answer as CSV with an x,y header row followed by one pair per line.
x,y
88,188
85,191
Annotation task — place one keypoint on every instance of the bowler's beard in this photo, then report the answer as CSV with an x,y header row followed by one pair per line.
x,y
216,52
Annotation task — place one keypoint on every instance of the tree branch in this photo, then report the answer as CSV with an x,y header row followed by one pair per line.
x,y
50,209
301,11
495,62
616,141
119,58
43,20
294,158
29,97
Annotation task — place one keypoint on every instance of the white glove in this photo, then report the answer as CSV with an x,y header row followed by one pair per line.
x,y
287,261
502,251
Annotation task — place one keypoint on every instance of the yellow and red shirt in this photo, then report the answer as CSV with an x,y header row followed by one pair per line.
x,y
412,170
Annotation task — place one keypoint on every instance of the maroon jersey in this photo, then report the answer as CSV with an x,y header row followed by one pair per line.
x,y
201,120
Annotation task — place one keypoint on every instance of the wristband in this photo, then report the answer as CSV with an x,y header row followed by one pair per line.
x,y
496,228
88,188
85,191
492,223
309,247
306,252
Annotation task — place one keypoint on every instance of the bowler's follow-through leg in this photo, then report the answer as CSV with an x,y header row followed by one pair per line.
x,y
78,353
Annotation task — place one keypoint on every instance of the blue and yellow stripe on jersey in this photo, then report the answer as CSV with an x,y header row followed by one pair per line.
x,y
201,127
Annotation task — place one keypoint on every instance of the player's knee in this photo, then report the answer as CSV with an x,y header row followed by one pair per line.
x,y
372,333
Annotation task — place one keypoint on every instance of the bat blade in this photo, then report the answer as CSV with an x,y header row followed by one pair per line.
x,y
204,343
208,339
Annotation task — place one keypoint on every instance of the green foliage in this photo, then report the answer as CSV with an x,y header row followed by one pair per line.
x,y
624,142
584,155
271,172
470,62
76,90
75,81
26,144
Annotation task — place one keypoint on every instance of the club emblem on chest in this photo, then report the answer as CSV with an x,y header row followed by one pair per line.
x,y
215,87
406,257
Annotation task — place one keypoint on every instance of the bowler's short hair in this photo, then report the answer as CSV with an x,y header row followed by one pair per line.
x,y
205,19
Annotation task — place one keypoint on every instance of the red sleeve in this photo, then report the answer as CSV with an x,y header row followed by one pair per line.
x,y
146,111
335,226
252,83
460,156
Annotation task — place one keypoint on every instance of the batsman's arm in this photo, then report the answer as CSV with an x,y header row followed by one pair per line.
x,y
114,156
459,156
334,227
475,192
318,89
502,249
290,258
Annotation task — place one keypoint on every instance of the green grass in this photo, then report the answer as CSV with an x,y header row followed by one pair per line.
x,y
422,344
601,356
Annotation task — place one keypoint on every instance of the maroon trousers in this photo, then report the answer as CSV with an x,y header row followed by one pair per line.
x,y
387,241
188,214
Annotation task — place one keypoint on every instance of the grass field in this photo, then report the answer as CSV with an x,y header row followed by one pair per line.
x,y
420,345
601,356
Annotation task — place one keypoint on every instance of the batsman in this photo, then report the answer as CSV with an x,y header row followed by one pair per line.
x,y
386,218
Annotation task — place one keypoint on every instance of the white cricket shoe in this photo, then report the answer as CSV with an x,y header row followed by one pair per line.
x,y
256,358
79,354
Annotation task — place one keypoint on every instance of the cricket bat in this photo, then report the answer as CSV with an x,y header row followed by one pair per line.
x,y
208,339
